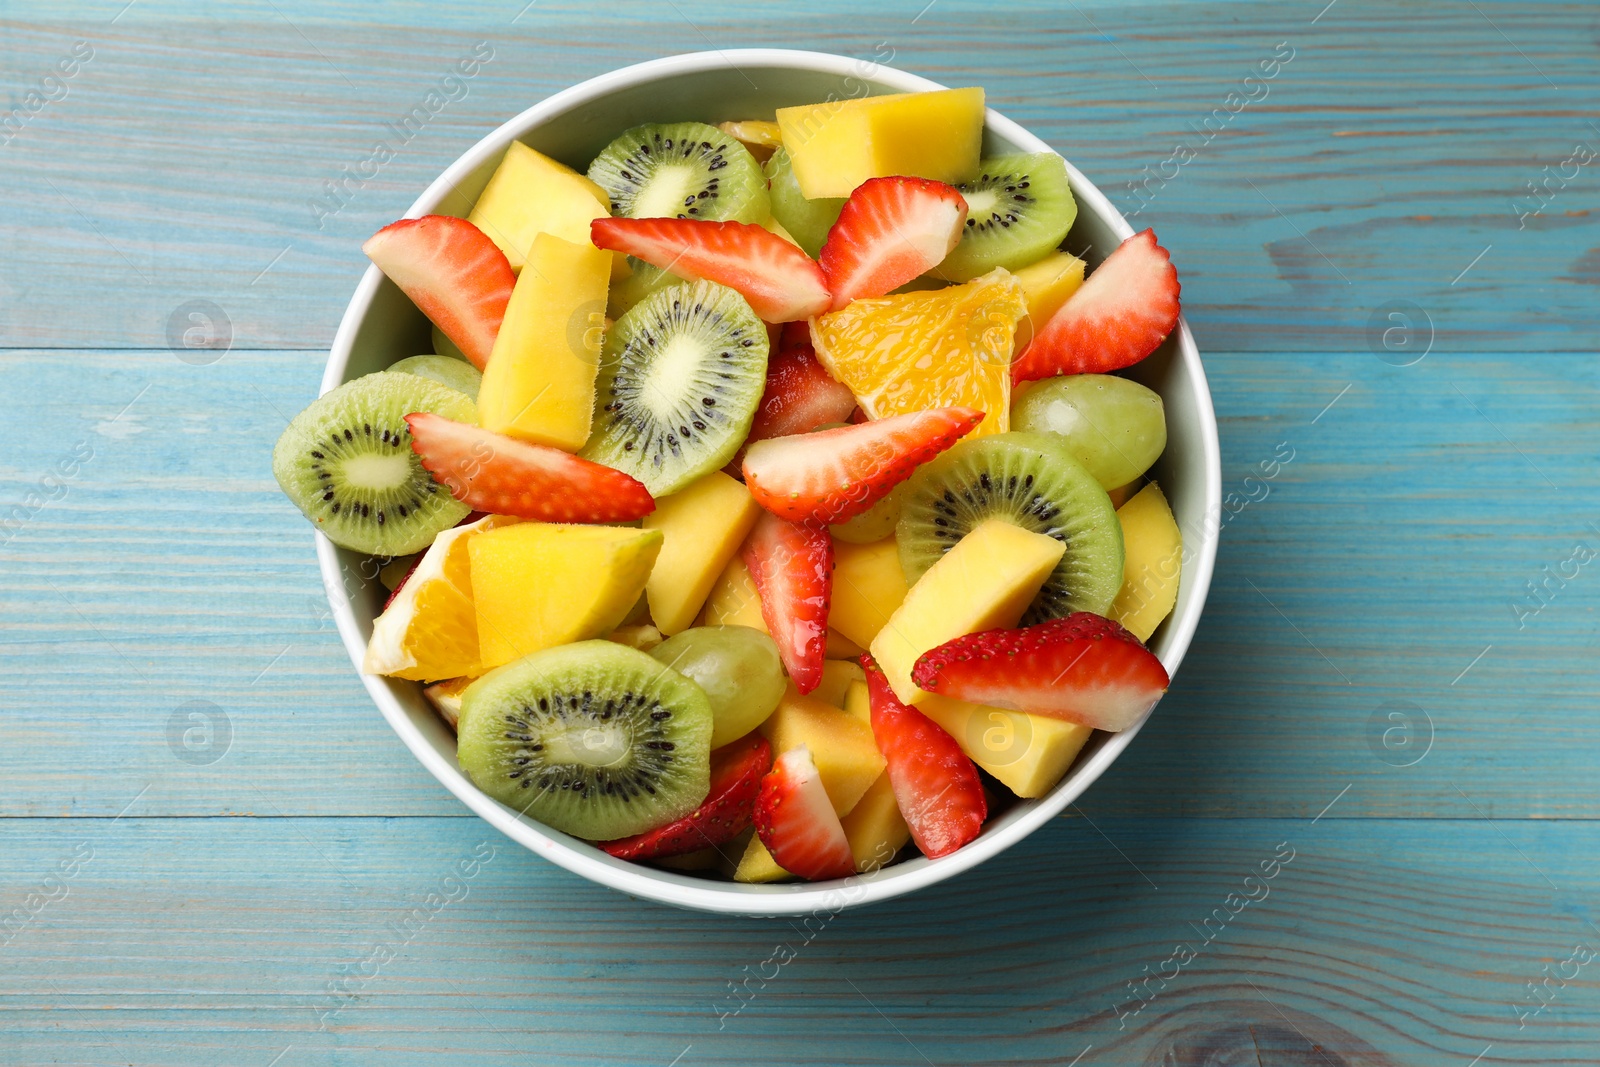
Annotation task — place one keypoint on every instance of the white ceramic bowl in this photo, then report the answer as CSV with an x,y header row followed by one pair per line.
x,y
381,326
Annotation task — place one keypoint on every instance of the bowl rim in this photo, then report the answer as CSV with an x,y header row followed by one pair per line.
x,y
669,887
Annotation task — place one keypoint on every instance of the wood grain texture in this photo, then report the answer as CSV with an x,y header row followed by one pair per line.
x,y
1388,942
1384,557
184,158
212,844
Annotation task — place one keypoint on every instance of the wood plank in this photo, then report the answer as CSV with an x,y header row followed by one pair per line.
x,y
1394,544
1385,157
1387,942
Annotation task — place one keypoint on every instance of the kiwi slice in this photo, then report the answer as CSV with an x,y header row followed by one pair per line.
x,y
808,221
347,462
1029,479
1019,209
594,739
458,374
686,170
680,377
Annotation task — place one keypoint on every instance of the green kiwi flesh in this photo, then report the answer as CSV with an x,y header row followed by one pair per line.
x,y
1029,479
594,739
680,377
1019,209
808,221
346,462
458,374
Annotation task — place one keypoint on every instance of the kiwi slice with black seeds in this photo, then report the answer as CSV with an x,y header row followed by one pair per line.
x,y
594,739
1019,209
684,170
346,461
680,377
1029,479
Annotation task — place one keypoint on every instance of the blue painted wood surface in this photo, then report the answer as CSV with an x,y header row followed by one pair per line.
x,y
227,896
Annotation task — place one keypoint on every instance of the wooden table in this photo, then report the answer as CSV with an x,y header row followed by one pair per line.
x,y
212,842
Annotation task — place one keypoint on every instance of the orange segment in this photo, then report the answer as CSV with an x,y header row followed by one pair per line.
x,y
915,351
430,629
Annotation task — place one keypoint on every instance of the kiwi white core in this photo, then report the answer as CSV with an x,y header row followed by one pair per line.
x,y
980,203
678,362
377,472
591,746
666,191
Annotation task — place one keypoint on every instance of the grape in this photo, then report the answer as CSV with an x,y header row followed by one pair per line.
x,y
739,669
1114,427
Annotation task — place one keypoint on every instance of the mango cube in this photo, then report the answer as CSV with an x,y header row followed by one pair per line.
x,y
837,677
1028,753
1045,286
984,582
1153,546
868,585
539,385
875,828
537,585
702,527
836,145
843,747
757,864
530,194
858,701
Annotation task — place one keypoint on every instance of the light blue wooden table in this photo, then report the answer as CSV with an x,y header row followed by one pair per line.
x,y
211,842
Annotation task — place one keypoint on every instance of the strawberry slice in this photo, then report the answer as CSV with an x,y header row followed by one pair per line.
x,y
935,785
799,396
1082,668
781,282
736,772
890,231
453,273
796,821
833,475
1126,308
503,476
792,567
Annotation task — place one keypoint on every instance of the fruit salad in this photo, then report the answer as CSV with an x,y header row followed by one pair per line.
x,y
770,506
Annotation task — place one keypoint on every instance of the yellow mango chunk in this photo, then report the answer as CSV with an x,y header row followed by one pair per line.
x,y
530,194
837,676
734,602
835,146
842,746
537,585
875,828
1046,286
757,864
702,527
858,701
985,582
1029,753
1154,552
539,385
1124,493
868,585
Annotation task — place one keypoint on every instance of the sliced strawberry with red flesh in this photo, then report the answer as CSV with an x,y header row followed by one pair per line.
x,y
780,281
799,396
1083,668
890,231
935,785
833,475
503,476
453,273
1121,314
792,567
796,821
736,773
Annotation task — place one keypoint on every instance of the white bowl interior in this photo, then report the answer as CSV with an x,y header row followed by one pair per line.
x,y
381,326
